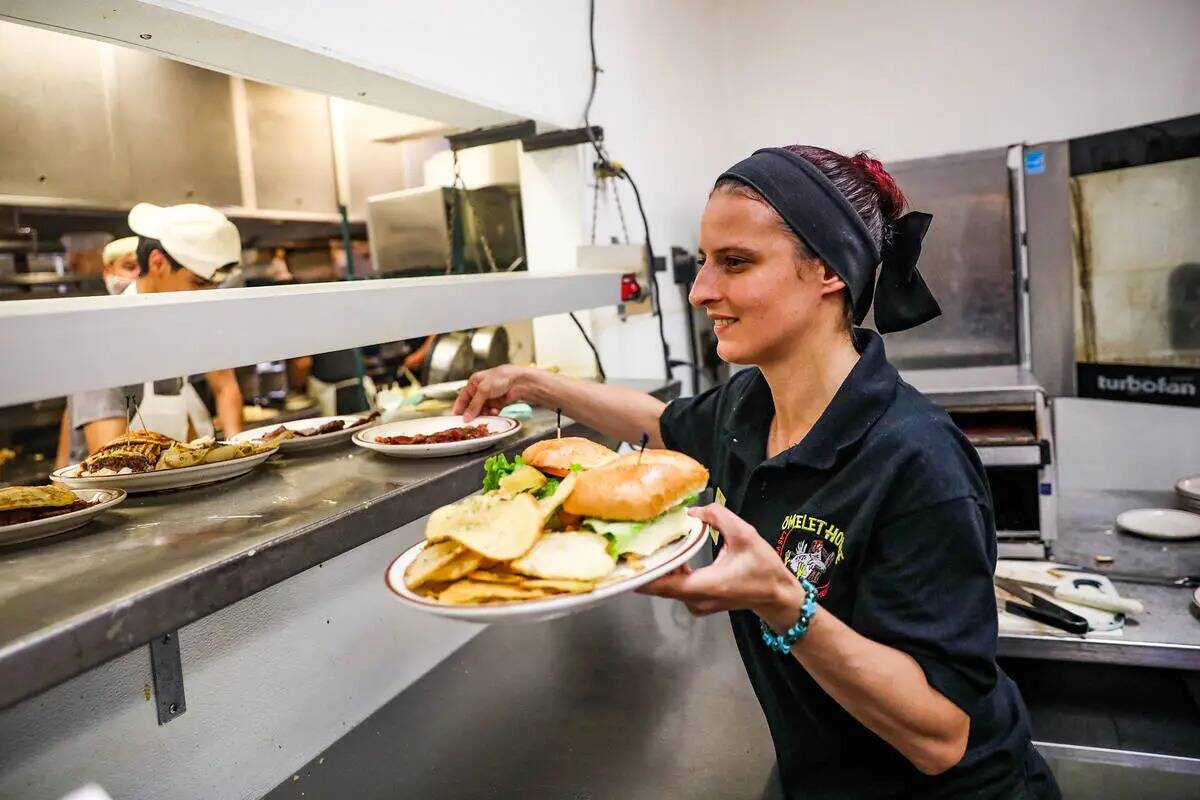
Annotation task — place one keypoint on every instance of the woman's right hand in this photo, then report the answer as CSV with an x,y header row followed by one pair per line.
x,y
491,390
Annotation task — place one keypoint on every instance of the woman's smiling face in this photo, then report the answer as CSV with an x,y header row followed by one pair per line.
x,y
761,293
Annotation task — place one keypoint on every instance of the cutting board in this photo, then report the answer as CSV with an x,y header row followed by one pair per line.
x,y
1103,623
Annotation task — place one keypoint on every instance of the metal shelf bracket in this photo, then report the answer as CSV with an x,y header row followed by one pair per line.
x,y
167,668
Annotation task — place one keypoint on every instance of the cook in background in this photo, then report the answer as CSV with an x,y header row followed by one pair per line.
x,y
119,270
120,264
857,538
182,248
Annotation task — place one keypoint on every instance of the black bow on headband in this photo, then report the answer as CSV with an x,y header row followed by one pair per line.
x,y
824,220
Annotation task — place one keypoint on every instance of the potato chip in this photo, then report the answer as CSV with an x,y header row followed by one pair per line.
x,y
431,558
574,555
491,576
548,505
523,479
465,562
564,586
492,526
467,592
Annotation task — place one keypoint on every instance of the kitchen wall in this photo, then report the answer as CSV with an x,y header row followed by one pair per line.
x,y
687,88
929,77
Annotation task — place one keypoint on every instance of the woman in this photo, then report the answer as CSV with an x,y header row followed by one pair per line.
x,y
857,541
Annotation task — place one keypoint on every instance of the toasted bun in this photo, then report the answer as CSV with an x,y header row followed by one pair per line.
x,y
629,489
140,437
15,497
555,456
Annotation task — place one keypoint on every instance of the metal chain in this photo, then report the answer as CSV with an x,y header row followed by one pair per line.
x,y
609,187
616,190
460,184
453,210
595,203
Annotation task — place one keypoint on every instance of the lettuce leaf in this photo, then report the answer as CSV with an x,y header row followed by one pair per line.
x,y
496,468
547,489
617,533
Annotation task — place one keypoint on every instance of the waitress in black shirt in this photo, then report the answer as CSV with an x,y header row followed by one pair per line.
x,y
857,540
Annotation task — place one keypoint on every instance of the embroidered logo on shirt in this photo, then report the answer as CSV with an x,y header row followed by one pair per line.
x,y
810,547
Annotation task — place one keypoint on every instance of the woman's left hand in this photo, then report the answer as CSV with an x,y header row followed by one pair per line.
x,y
746,574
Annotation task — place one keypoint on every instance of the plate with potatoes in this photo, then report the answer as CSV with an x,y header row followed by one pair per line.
x,y
563,526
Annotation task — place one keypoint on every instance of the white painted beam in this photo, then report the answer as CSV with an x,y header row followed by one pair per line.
x,y
53,347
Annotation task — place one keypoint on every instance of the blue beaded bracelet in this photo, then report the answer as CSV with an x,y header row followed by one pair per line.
x,y
782,643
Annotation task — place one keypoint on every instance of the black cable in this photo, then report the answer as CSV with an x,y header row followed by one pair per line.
x,y
588,339
587,125
654,290
622,172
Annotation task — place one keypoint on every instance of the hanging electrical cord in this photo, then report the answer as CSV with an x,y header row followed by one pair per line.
x,y
588,339
606,168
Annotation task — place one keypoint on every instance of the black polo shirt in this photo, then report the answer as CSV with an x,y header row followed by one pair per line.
x,y
884,507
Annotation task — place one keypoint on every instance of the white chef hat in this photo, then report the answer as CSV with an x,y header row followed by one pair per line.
x,y
120,248
197,236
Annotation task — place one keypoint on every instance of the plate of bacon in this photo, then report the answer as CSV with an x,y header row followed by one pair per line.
x,y
435,437
307,434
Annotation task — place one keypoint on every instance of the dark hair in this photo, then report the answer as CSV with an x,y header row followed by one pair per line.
x,y
145,247
861,179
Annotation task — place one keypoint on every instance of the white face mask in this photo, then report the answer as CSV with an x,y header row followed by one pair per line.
x,y
116,284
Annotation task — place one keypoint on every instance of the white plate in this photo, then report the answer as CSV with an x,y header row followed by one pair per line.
x,y
1189,489
442,391
104,499
307,442
160,480
1160,523
500,427
623,579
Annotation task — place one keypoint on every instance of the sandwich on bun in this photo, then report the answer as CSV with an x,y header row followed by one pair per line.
x,y
638,501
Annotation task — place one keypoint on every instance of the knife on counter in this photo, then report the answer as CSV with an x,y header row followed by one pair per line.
x,y
1091,590
1182,581
1038,608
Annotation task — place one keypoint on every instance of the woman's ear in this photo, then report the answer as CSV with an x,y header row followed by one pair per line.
x,y
830,280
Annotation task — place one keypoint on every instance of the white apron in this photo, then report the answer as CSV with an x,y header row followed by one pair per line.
x,y
325,394
181,416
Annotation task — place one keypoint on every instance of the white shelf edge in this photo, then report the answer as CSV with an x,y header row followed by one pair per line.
x,y
54,347
1021,455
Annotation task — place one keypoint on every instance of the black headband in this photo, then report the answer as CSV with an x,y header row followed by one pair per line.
x,y
825,221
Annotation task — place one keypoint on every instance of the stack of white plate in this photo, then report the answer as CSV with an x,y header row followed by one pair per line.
x,y
1188,492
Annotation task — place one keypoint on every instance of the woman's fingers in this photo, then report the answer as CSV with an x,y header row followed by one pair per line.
x,y
718,516
656,587
468,392
694,585
484,391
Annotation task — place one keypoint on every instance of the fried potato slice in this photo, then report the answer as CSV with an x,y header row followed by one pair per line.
x,y
468,592
495,527
561,586
462,564
548,505
492,576
571,555
523,479
432,558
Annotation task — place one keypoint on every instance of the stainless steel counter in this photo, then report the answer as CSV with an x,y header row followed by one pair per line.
x,y
1166,635
635,699
160,561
